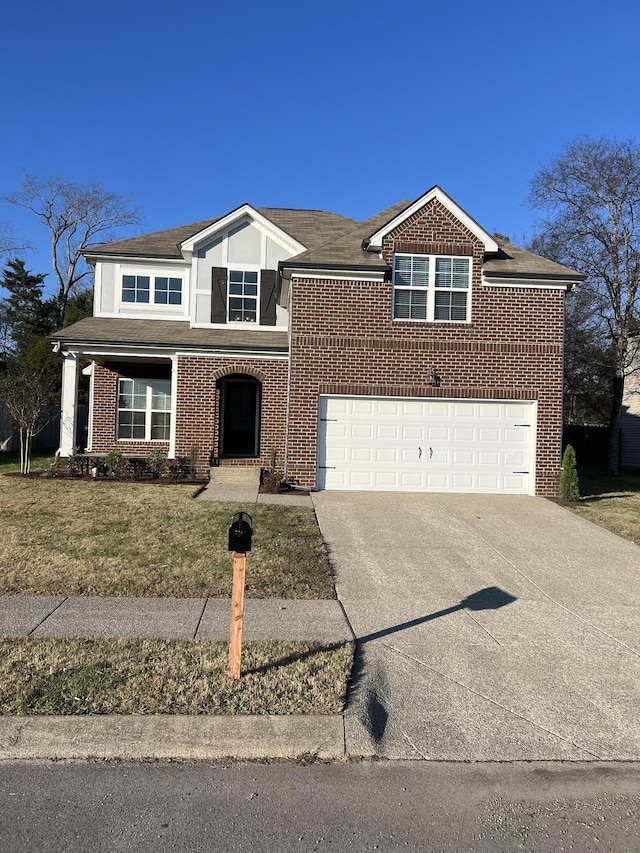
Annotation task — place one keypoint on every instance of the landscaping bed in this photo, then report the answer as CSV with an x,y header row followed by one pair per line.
x,y
69,676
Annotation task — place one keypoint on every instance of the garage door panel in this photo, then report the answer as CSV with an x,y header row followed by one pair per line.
x,y
388,407
438,433
411,432
387,455
389,432
364,431
424,444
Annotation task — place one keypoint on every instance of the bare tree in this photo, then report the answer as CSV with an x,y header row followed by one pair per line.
x,y
591,195
9,243
27,396
79,217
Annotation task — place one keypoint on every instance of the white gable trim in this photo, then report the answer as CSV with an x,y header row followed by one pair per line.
x,y
374,243
338,274
236,216
528,283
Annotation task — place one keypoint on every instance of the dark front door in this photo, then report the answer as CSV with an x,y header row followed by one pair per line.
x,y
240,409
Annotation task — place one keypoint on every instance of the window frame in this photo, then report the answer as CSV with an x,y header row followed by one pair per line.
x,y
151,391
430,289
152,290
244,269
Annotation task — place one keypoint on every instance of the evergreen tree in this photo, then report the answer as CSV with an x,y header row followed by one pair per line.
x,y
23,313
569,488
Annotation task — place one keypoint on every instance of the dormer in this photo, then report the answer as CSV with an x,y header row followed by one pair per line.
x,y
234,268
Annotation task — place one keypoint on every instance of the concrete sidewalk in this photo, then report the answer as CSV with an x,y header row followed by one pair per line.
x,y
171,736
171,618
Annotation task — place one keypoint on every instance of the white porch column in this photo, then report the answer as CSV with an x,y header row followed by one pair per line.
x,y
68,403
174,406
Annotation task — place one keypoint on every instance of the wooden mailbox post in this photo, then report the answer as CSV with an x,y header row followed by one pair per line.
x,y
239,543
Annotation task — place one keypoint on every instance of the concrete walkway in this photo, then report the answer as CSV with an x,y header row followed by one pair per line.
x,y
171,618
490,628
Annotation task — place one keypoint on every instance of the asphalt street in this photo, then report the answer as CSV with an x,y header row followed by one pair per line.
x,y
159,806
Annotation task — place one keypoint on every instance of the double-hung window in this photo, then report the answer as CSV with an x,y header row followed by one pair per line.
x,y
166,290
431,287
243,296
144,409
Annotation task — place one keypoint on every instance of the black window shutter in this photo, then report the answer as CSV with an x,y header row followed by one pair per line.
x,y
218,295
268,297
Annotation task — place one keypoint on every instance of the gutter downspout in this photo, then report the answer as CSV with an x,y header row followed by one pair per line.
x,y
288,409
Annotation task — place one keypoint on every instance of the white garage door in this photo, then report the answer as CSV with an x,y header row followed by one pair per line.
x,y
409,444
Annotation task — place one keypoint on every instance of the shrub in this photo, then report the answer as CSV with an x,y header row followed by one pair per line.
x,y
113,462
75,463
156,461
569,487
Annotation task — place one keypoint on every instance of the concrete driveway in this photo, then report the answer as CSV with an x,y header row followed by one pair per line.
x,y
490,628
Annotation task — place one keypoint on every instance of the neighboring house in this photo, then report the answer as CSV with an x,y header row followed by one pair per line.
x,y
630,422
412,351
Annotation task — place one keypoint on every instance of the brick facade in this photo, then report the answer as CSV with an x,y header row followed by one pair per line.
x,y
344,341
197,407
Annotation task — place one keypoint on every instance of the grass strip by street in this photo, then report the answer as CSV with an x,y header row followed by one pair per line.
x,y
71,676
611,502
64,537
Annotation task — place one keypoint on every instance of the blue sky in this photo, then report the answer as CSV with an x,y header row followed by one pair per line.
x,y
193,108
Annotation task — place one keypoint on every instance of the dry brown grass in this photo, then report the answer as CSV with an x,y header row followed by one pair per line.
x,y
62,537
46,676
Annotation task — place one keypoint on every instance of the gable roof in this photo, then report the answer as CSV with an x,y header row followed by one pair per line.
x,y
337,242
512,262
347,250
374,240
308,227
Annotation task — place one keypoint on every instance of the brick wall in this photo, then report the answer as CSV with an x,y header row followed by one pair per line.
x,y
345,342
197,407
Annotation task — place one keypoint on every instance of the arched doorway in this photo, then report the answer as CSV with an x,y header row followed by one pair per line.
x,y
239,416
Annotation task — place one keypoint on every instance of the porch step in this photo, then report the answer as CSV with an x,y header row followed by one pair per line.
x,y
227,475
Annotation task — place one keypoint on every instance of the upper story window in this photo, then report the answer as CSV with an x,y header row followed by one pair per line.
x,y
167,290
243,296
431,287
135,288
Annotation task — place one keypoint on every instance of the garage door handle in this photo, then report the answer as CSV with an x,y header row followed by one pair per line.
x,y
419,453
430,452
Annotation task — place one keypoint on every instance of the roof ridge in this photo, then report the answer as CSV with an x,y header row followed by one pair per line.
x,y
357,225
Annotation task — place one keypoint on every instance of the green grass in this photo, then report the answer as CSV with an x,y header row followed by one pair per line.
x,y
41,460
611,502
70,676
79,537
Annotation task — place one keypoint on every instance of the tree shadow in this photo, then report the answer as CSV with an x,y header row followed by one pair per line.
x,y
490,598
370,677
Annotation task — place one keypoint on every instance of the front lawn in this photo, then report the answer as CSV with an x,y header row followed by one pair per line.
x,y
611,502
68,676
66,537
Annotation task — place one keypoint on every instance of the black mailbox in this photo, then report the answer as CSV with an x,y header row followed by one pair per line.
x,y
240,533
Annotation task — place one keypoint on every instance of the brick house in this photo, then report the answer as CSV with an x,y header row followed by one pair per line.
x,y
411,351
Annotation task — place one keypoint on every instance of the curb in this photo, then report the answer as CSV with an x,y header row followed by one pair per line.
x,y
175,737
